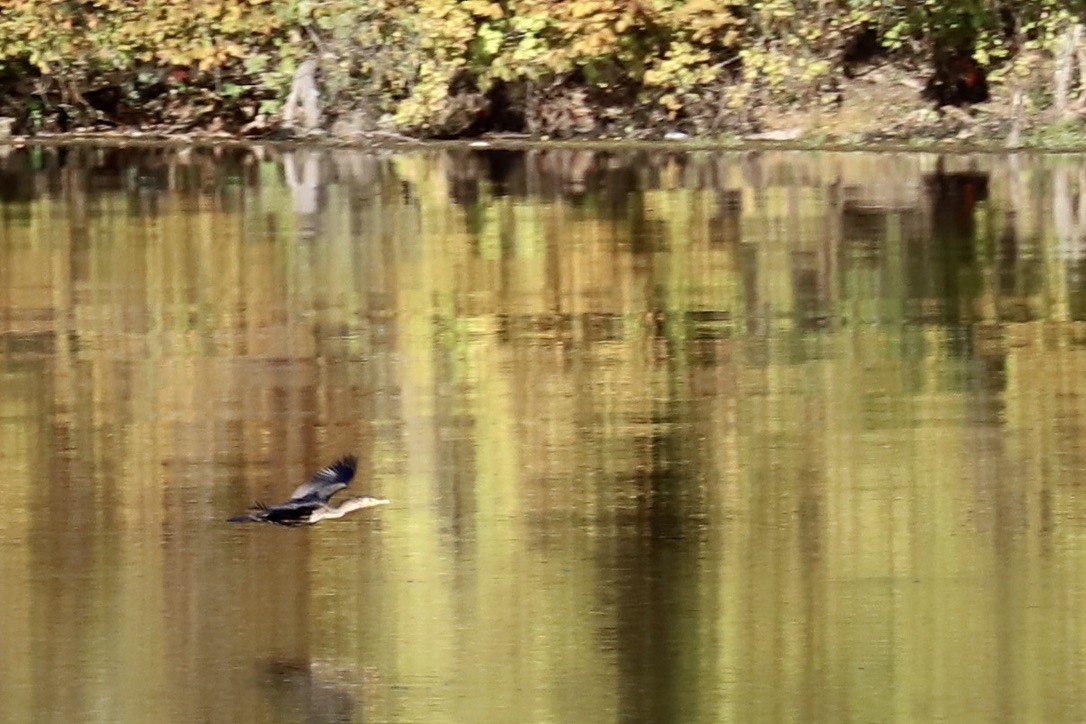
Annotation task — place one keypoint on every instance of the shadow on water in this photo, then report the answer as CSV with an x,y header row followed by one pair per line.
x,y
651,557
668,437
310,691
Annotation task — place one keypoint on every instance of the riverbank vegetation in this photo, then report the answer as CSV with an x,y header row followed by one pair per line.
x,y
584,68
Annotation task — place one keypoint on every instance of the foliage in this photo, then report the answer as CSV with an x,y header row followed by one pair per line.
x,y
69,38
77,47
423,61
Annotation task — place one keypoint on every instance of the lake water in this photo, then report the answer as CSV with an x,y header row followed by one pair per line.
x,y
707,437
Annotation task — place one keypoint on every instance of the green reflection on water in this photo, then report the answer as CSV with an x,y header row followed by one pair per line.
x,y
714,437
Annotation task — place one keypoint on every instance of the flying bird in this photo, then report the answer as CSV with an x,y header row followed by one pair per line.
x,y
309,501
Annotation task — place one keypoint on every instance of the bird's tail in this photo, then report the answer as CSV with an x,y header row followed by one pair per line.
x,y
247,518
258,514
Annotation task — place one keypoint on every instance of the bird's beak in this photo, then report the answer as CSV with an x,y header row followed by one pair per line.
x,y
371,502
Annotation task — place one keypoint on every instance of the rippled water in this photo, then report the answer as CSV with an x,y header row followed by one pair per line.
x,y
697,438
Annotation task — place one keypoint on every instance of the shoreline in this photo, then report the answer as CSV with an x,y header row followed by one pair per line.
x,y
146,139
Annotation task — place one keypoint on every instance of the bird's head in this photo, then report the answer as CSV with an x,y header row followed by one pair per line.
x,y
358,503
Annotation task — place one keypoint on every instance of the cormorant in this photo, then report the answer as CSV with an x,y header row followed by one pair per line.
x,y
309,502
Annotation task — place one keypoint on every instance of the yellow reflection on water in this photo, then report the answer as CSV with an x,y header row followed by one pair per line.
x,y
707,437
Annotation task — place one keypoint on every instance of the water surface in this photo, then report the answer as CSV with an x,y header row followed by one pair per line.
x,y
701,438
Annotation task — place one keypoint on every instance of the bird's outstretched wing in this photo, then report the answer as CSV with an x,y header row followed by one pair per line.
x,y
327,481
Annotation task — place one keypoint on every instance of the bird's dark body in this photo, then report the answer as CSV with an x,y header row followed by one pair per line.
x,y
289,513
307,498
